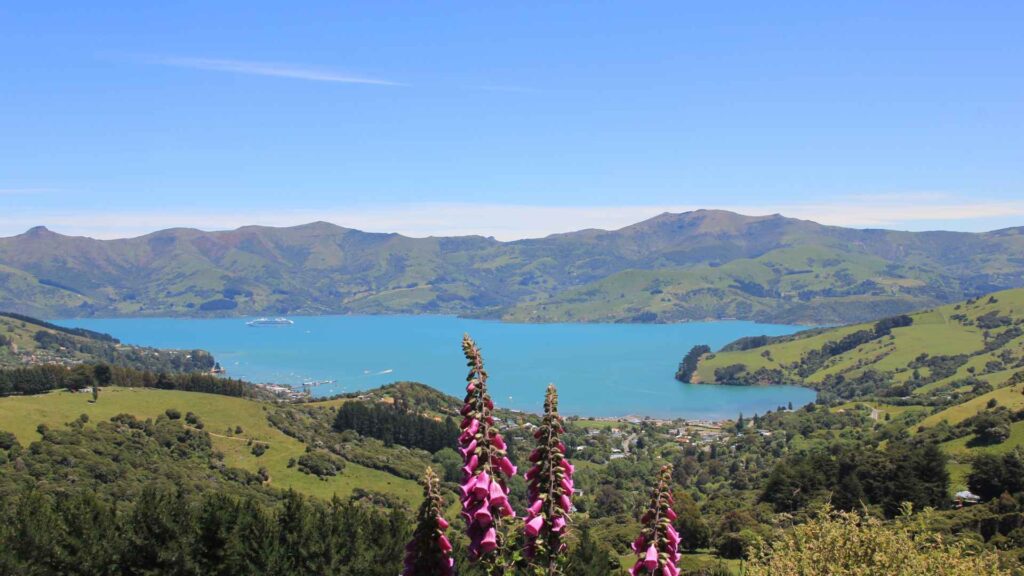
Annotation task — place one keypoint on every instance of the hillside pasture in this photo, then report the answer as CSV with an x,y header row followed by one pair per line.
x,y
21,415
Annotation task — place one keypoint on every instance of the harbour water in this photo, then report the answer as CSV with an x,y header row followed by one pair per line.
x,y
600,369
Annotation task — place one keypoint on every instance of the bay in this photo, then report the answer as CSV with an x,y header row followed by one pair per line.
x,y
600,369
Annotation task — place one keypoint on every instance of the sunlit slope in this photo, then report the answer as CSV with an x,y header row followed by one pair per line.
x,y
221,415
806,284
977,339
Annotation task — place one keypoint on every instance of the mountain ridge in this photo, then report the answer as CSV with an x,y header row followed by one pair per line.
x,y
694,265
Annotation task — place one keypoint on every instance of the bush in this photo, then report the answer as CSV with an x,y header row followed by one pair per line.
x,y
729,373
218,305
259,448
992,427
320,464
173,413
844,543
689,364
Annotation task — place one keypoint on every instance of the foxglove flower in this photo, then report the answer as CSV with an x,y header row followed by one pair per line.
x,y
429,551
657,547
484,492
549,487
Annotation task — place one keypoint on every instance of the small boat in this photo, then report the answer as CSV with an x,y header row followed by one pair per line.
x,y
270,322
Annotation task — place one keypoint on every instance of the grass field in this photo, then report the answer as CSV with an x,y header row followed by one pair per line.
x,y
1011,396
883,408
221,415
934,332
959,447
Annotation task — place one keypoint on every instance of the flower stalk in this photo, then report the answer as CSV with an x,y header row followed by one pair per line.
x,y
657,546
484,490
550,490
429,551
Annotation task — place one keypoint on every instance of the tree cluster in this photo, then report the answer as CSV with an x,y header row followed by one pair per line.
x,y
47,377
394,425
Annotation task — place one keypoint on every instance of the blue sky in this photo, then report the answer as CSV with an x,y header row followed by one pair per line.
x,y
511,119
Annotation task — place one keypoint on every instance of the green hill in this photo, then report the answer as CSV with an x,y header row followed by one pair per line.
x,y
26,341
674,267
953,375
974,343
221,417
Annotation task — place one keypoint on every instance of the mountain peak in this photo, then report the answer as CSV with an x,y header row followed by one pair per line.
x,y
704,221
37,231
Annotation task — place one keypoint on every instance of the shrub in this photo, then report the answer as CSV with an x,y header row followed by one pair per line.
x,y
320,464
845,543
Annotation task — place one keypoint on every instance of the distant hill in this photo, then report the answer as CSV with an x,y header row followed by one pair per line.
x,y
937,353
674,267
26,341
957,371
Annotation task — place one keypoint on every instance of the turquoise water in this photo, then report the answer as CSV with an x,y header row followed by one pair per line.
x,y
600,369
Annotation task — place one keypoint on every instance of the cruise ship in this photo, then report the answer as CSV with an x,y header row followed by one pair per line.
x,y
270,322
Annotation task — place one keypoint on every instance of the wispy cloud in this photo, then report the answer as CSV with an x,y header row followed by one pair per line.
x,y
915,211
279,70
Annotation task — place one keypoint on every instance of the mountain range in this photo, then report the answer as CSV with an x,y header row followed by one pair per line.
x,y
673,267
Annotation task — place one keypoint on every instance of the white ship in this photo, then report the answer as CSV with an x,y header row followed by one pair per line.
x,y
270,322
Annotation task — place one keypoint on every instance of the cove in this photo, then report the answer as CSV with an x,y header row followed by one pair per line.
x,y
600,369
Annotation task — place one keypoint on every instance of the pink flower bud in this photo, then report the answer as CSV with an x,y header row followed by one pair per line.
x,y
534,508
534,525
651,558
507,467
489,541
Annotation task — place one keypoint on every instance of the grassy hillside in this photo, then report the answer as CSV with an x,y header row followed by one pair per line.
x,y
695,265
220,415
954,376
29,341
808,284
977,340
